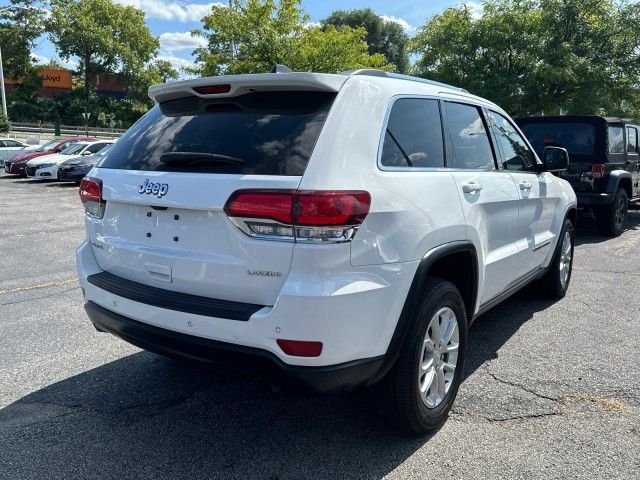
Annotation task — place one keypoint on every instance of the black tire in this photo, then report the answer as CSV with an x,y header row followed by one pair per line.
x,y
397,395
551,283
612,219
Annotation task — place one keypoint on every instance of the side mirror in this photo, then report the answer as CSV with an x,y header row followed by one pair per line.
x,y
86,153
555,159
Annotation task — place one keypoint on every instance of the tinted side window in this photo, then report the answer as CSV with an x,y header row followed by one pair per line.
x,y
11,143
413,137
469,136
517,155
616,140
632,140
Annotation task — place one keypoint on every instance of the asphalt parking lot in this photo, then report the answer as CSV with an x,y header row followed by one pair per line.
x,y
552,390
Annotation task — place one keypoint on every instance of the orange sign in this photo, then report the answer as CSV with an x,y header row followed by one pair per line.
x,y
55,78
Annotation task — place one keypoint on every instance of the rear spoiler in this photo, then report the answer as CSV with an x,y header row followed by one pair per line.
x,y
234,85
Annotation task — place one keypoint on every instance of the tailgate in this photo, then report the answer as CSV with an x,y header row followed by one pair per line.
x,y
183,241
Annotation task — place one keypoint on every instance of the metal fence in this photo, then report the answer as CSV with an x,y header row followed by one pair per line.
x,y
37,133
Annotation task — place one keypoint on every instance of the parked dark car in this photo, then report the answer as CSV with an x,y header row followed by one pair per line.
x,y
604,162
75,169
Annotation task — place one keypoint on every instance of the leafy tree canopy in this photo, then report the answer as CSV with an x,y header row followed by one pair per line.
x,y
257,34
21,23
531,56
103,35
385,37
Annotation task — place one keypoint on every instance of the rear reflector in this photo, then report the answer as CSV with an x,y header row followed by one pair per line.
x,y
597,170
91,196
213,89
300,215
299,348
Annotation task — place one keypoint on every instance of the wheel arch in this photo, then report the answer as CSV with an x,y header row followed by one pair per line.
x,y
572,215
619,179
456,262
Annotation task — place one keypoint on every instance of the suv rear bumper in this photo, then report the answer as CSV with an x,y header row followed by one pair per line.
x,y
237,357
593,199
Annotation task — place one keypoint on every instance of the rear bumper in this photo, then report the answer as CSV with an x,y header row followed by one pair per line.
x,y
321,379
593,199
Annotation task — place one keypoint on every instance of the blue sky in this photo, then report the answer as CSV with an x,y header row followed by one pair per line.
x,y
172,20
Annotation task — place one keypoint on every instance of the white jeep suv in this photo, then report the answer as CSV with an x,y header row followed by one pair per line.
x,y
326,231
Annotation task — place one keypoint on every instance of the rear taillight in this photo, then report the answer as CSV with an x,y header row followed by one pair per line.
x,y
597,170
299,215
91,197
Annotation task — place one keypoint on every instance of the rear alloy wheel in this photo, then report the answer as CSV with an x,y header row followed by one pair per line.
x,y
439,357
612,219
419,390
555,281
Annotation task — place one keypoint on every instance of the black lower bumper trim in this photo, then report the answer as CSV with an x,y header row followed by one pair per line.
x,y
593,199
344,376
181,302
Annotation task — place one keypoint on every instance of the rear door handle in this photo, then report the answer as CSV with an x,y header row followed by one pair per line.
x,y
525,186
471,187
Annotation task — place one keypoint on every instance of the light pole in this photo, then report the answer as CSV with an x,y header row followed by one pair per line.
x,y
4,97
233,46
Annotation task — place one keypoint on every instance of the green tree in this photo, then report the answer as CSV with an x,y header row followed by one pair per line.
x,y
24,102
21,23
257,34
532,56
103,35
164,70
385,37
5,126
139,80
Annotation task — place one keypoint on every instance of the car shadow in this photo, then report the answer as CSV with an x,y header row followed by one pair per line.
x,y
62,184
167,419
587,230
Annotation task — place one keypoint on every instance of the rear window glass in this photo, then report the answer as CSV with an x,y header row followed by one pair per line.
x,y
577,138
265,133
632,140
616,140
414,135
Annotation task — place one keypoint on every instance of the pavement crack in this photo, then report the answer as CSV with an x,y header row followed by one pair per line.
x,y
522,387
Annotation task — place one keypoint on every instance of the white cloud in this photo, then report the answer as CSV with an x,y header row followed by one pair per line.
x,y
177,62
475,9
400,21
176,41
171,10
40,59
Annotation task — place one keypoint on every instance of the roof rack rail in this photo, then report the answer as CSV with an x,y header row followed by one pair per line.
x,y
381,73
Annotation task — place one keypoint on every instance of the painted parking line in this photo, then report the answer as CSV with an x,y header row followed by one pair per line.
x,y
39,285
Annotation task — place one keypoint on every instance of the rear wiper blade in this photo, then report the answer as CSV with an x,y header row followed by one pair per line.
x,y
198,158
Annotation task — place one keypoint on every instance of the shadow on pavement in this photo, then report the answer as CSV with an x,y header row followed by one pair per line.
x,y
147,416
61,184
587,231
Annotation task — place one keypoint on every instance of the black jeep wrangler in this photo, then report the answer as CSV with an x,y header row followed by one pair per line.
x,y
604,164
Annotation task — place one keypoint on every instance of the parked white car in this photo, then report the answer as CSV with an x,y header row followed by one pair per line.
x,y
46,166
9,147
325,231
